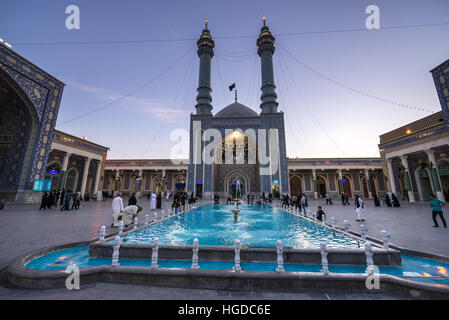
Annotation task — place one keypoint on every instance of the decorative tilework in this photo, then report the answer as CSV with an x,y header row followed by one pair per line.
x,y
32,86
441,78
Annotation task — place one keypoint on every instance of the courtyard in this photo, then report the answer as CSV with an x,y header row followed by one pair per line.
x,y
410,226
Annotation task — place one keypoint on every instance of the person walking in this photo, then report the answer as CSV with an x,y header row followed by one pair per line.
x,y
62,197
44,201
74,200
303,202
153,201
159,201
329,199
359,208
132,201
117,207
66,205
51,200
78,201
2,205
229,199
437,210
376,201
57,194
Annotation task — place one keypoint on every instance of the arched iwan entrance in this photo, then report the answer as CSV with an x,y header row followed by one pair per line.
x,y
236,181
347,189
18,127
53,173
425,188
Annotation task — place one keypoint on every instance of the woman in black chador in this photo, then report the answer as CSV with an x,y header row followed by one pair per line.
x,y
132,200
395,200
387,200
158,201
376,201
44,202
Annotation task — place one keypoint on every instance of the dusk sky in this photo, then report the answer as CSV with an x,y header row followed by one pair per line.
x,y
391,63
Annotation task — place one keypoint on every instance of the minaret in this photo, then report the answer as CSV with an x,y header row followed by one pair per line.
x,y
205,53
265,42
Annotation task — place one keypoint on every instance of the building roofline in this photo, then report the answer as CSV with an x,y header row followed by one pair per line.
x,y
439,65
81,139
324,159
37,67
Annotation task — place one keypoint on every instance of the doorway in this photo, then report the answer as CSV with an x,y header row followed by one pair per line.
x,y
321,187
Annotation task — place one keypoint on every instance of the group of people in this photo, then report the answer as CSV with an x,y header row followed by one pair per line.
x,y
125,214
393,202
180,198
250,198
299,201
64,199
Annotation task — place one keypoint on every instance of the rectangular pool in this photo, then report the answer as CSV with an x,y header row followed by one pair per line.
x,y
258,225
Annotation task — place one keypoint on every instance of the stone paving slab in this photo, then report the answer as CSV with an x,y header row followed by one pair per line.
x,y
409,226
112,291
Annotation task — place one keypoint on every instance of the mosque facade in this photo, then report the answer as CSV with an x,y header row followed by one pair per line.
x,y
234,134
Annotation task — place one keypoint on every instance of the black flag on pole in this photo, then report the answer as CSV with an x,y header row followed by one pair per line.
x,y
232,86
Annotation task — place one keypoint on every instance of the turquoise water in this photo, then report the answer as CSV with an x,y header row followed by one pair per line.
x,y
257,226
413,268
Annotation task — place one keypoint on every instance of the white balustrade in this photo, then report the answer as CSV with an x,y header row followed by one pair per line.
x,y
369,258
280,256
115,254
346,225
363,232
324,262
147,220
195,254
135,223
237,267
385,238
154,254
102,233
121,225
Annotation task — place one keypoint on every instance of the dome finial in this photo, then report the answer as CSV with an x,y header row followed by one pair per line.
x,y
206,22
236,95
264,20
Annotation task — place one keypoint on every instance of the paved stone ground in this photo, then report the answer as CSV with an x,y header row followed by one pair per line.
x,y
409,226
23,228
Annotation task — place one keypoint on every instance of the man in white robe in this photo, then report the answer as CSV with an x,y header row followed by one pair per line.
x,y
359,208
153,201
117,207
